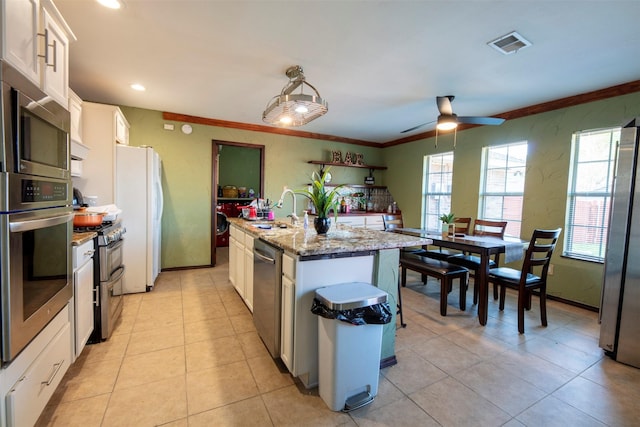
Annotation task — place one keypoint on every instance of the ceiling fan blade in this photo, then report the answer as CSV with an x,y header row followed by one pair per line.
x,y
444,104
417,127
481,120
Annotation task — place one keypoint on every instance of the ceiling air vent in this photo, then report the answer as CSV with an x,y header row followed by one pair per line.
x,y
509,43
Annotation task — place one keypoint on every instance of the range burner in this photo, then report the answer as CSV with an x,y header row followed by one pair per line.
x,y
108,231
96,228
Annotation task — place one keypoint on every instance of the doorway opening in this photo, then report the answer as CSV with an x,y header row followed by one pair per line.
x,y
235,166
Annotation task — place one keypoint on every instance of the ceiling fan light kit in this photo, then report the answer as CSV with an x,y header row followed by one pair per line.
x,y
447,120
295,109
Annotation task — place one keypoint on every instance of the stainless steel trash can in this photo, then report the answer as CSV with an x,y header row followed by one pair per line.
x,y
349,355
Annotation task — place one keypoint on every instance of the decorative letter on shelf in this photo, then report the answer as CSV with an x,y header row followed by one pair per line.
x,y
336,156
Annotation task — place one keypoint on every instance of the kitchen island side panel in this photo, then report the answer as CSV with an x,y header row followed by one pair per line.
x,y
311,275
386,278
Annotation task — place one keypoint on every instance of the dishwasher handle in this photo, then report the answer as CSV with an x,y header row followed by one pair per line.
x,y
263,257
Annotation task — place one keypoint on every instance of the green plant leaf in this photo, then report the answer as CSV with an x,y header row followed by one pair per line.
x,y
322,199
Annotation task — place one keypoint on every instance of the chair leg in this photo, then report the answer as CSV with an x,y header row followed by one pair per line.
x,y
424,279
404,325
528,300
495,291
463,291
503,296
522,298
543,305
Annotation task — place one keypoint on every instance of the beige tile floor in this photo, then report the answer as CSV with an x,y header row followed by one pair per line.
x,y
187,354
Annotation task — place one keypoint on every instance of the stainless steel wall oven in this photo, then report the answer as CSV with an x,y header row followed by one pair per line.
x,y
36,218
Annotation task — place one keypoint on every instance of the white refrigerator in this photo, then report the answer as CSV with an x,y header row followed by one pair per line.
x,y
139,195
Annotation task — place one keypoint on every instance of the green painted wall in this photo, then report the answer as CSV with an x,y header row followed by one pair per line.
x,y
187,169
187,176
549,142
239,166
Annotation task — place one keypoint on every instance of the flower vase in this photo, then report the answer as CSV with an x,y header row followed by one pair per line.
x,y
445,229
322,225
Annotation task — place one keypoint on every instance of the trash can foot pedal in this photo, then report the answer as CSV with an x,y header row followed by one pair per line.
x,y
358,401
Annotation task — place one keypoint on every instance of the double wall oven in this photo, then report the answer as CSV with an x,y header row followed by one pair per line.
x,y
36,218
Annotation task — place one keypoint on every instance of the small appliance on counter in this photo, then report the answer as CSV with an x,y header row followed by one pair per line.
x,y
78,200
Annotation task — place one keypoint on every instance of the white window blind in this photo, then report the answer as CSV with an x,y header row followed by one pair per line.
x,y
438,175
502,185
593,155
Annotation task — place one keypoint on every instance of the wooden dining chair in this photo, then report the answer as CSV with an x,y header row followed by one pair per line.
x,y
481,227
392,221
461,226
533,274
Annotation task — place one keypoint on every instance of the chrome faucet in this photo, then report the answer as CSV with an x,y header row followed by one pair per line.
x,y
293,216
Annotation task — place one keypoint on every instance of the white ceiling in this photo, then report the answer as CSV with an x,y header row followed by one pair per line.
x,y
379,64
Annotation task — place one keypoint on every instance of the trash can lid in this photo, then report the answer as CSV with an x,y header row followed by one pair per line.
x,y
347,296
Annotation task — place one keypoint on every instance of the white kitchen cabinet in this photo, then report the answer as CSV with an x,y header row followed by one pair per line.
x,y
236,259
21,24
374,222
352,221
122,129
54,76
36,42
241,263
248,271
27,383
83,294
99,124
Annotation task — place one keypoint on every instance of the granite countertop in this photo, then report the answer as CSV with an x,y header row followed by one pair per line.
x,y
79,238
339,239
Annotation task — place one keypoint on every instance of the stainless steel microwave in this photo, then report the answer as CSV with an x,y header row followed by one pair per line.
x,y
35,129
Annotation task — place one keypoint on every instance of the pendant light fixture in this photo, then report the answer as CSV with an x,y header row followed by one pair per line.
x,y
295,109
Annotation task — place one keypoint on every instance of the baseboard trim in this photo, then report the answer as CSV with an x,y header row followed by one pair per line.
x,y
192,267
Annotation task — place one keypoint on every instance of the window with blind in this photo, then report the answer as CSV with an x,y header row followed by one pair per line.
x,y
438,174
502,185
593,155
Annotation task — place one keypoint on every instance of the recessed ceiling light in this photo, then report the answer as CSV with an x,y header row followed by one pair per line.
x,y
111,4
138,87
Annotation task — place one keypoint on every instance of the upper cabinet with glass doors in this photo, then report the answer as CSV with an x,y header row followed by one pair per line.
x,y
35,40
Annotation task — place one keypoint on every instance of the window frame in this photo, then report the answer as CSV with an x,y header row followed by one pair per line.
x,y
600,228
427,194
484,194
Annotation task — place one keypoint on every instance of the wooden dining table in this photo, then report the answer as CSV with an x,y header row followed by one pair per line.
x,y
483,246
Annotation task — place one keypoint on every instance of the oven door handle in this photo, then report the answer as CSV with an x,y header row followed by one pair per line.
x,y
117,274
34,224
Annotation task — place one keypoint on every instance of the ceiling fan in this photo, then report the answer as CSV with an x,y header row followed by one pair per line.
x,y
447,120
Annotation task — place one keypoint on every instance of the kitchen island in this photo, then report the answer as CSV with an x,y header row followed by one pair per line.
x,y
310,261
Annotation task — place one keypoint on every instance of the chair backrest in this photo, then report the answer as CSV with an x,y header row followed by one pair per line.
x,y
541,247
392,221
462,225
482,227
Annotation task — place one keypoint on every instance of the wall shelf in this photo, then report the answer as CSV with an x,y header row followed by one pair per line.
x,y
318,162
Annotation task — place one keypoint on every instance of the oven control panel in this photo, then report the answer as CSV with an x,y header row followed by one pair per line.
x,y
43,191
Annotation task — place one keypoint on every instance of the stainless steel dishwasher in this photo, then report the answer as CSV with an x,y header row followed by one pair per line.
x,y
267,277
